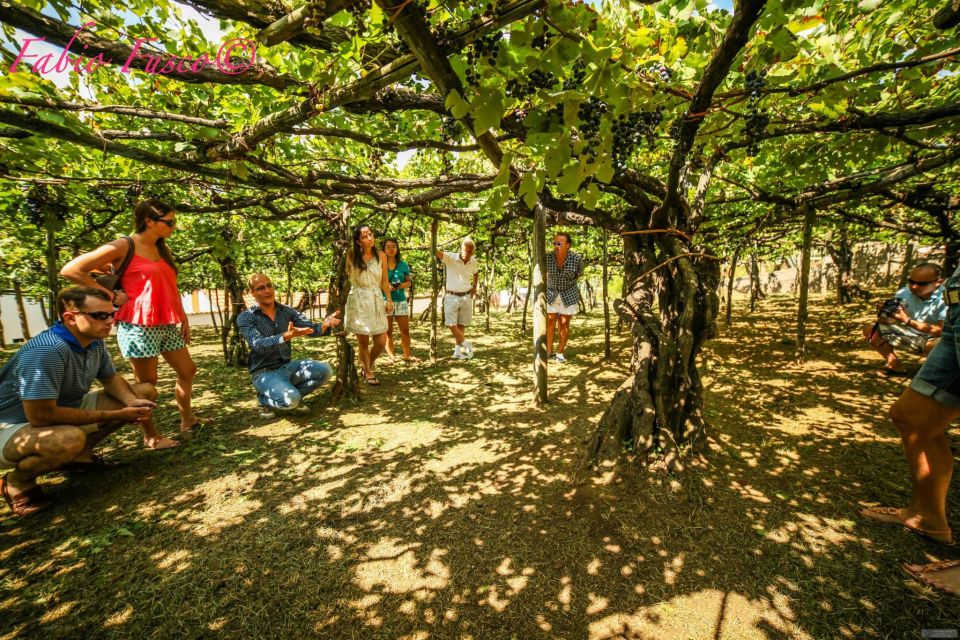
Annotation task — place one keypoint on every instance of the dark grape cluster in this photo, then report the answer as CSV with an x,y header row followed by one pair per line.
x,y
628,131
450,130
589,114
42,200
540,42
316,15
537,79
757,117
576,80
445,36
133,193
483,49
358,10
660,71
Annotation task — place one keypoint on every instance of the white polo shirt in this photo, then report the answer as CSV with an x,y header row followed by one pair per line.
x,y
459,274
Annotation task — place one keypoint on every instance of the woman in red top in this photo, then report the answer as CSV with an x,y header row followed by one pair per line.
x,y
150,306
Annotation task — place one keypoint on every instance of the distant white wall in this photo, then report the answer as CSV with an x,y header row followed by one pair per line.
x,y
11,318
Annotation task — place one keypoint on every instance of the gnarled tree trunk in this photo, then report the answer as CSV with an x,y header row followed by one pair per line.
x,y
658,409
347,383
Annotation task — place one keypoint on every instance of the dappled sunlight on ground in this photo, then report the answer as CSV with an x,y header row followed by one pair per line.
x,y
443,505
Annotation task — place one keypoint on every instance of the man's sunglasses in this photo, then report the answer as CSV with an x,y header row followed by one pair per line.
x,y
97,315
169,223
264,287
920,283
558,244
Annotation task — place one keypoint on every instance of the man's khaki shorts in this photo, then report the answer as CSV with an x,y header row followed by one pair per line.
x,y
7,430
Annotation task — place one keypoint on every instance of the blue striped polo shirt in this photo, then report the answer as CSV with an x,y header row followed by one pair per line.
x,y
51,366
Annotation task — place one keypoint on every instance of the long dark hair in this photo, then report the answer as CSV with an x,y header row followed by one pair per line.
x,y
356,255
153,209
383,247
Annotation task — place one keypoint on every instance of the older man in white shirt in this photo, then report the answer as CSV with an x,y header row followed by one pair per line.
x,y
462,274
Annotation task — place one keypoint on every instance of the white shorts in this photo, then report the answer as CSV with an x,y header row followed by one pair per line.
x,y
7,430
457,309
558,307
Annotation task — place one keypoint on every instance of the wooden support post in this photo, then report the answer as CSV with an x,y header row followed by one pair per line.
x,y
435,282
730,279
539,306
606,303
52,271
804,284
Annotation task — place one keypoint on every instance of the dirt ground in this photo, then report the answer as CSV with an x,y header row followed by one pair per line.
x,y
444,506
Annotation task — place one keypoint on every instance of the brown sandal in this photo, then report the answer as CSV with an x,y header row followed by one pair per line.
x,y
921,572
893,515
27,503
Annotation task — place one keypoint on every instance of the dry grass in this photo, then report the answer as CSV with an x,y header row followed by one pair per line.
x,y
443,506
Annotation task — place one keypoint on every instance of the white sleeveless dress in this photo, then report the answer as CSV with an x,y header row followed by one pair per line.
x,y
365,312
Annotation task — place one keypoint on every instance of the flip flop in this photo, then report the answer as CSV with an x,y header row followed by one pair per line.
x,y
922,572
198,424
894,373
28,502
96,463
893,515
163,443
373,381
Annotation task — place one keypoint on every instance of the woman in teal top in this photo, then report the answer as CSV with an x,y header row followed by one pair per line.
x,y
399,275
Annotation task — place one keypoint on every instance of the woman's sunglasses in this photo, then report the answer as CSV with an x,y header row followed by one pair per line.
x,y
920,283
169,223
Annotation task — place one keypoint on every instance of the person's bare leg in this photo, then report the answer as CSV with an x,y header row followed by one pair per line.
x,y
551,321
106,402
363,344
145,372
379,342
921,422
564,330
390,351
37,451
403,322
186,371
457,331
881,347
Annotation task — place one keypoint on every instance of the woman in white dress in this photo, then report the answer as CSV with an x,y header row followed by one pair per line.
x,y
366,310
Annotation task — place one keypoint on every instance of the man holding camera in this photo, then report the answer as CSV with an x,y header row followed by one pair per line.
x,y
50,420
912,320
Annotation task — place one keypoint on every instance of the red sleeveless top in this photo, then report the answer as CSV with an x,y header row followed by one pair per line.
x,y
152,290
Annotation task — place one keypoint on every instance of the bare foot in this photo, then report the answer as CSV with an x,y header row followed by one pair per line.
x,y
159,442
191,425
943,575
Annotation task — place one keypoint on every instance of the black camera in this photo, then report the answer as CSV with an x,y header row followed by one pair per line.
x,y
888,307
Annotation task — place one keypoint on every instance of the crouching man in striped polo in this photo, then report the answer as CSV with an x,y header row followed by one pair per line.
x,y
50,420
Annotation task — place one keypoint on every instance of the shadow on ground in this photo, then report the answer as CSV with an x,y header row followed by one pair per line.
x,y
444,506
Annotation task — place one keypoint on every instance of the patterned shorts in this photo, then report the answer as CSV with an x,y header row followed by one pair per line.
x,y
401,308
138,341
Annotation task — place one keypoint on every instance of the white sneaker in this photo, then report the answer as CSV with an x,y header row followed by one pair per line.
x,y
559,358
457,354
468,347
267,414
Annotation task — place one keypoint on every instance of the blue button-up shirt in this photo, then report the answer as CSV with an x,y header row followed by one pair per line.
x,y
268,349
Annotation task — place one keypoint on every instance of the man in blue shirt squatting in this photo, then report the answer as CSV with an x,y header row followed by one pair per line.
x,y
268,327
916,324
50,420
